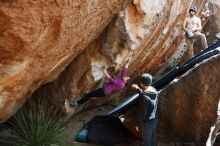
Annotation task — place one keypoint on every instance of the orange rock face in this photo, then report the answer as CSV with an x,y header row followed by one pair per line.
x,y
151,36
38,39
67,44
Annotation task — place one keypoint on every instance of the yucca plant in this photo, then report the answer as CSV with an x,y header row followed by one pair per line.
x,y
35,125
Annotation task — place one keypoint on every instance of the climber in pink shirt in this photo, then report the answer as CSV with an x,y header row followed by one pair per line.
x,y
113,85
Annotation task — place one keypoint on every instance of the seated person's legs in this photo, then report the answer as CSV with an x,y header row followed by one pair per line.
x,y
189,42
202,39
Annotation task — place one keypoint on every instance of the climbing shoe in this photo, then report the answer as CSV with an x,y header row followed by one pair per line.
x,y
71,106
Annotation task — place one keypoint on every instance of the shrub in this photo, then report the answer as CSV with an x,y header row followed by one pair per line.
x,y
35,125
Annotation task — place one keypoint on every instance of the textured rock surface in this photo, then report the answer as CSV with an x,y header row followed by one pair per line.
x,y
150,35
41,39
213,25
38,39
188,107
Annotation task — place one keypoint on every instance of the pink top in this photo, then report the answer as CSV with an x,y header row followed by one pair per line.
x,y
115,84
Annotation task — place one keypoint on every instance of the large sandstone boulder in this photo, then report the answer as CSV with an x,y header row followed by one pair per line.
x,y
38,39
150,32
67,44
188,107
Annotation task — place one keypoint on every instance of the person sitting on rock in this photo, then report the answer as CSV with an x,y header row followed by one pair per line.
x,y
192,26
113,85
